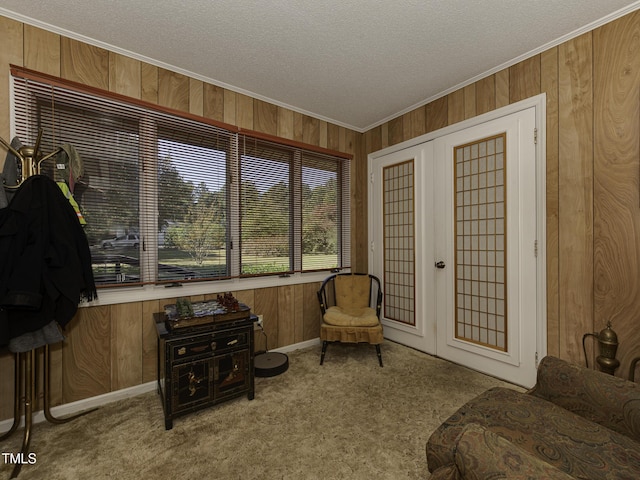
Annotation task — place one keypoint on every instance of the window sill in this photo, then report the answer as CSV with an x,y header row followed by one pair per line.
x,y
113,296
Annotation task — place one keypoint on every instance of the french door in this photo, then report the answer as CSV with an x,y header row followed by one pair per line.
x,y
401,212
455,223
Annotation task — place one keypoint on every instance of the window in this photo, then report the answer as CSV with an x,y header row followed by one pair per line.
x,y
323,208
266,214
192,184
169,197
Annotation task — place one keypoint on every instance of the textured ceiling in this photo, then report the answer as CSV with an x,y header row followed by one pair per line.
x,y
356,63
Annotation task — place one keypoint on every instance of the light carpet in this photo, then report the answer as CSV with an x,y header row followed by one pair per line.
x,y
347,419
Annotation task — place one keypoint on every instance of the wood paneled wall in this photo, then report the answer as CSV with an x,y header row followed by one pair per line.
x,y
593,200
592,86
113,347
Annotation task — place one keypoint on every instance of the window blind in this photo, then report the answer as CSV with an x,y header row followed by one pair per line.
x,y
107,184
170,197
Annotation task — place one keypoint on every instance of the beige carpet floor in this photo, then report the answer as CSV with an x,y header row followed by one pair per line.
x,y
348,419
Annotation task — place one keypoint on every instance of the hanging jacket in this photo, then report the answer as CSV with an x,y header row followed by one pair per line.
x,y
45,262
9,175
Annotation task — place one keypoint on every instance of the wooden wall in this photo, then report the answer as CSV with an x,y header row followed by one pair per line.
x,y
592,84
113,347
593,200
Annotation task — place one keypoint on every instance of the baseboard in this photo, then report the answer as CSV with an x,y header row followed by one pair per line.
x,y
297,346
86,404
99,400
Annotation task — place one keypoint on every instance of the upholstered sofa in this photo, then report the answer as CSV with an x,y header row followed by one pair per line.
x,y
575,423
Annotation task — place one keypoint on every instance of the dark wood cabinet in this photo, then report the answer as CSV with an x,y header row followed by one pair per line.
x,y
204,365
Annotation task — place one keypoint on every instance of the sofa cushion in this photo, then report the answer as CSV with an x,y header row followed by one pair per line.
x,y
482,454
446,472
610,401
563,439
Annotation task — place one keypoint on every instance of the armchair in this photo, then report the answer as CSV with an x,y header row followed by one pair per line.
x,y
350,305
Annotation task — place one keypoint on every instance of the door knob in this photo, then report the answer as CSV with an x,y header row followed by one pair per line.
x,y
440,264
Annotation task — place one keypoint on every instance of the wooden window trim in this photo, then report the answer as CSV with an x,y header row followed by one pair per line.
x,y
29,74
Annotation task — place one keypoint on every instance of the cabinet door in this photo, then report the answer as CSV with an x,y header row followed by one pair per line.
x,y
191,384
231,373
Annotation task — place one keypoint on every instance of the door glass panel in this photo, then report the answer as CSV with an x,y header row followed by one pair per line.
x,y
399,242
480,242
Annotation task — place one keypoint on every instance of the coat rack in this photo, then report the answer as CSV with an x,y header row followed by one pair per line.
x,y
30,159
25,378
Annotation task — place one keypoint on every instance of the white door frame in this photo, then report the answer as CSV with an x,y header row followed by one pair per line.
x,y
539,103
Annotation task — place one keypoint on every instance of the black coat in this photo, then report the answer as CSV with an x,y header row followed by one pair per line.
x,y
45,262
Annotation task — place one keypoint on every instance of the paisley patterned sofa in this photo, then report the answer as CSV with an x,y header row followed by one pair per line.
x,y
575,423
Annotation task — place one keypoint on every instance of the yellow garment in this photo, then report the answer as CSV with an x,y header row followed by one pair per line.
x,y
67,193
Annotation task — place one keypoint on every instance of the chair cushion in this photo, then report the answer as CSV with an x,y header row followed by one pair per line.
x,y
352,291
351,317
331,333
